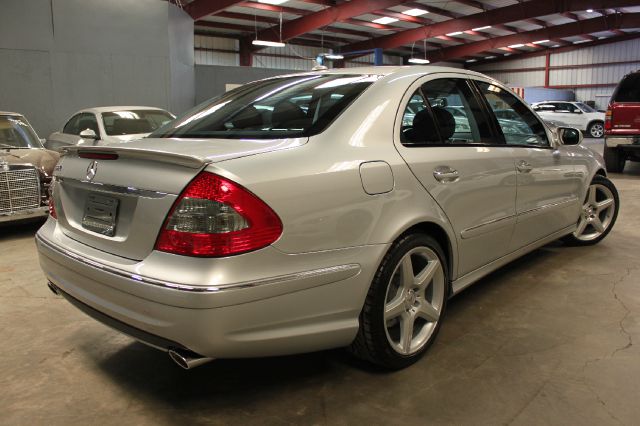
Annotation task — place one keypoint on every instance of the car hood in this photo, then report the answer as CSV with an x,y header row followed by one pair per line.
x,y
212,150
42,159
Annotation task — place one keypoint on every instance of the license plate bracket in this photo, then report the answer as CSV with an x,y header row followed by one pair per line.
x,y
100,214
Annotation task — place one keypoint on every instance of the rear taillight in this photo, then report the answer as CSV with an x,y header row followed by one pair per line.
x,y
52,206
608,125
216,217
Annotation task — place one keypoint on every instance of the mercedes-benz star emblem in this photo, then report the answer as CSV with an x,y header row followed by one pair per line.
x,y
92,170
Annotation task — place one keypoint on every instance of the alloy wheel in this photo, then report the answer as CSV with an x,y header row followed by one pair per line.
x,y
596,130
414,300
597,214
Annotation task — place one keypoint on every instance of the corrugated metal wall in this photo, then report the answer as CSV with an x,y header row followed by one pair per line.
x,y
624,51
290,57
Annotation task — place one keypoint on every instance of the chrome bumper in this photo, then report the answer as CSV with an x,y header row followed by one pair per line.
x,y
24,214
613,141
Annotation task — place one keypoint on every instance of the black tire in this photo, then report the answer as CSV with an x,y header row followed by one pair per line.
x,y
614,159
371,343
596,129
572,239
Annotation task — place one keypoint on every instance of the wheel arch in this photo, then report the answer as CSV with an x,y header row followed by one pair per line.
x,y
440,235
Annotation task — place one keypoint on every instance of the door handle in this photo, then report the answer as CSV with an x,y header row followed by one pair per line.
x,y
446,174
524,167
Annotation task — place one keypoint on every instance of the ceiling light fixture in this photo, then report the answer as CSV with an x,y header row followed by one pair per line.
x,y
541,41
471,60
415,12
481,28
581,41
515,46
489,57
267,43
333,56
455,33
384,20
418,61
589,10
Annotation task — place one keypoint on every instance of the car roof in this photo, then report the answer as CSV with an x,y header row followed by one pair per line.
x,y
397,70
116,108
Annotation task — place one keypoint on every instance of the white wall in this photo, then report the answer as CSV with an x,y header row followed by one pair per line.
x,y
603,74
294,57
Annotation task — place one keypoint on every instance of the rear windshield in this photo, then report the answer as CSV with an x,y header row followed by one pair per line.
x,y
131,122
284,107
629,89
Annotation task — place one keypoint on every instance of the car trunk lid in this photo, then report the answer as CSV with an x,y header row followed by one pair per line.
x,y
116,198
625,118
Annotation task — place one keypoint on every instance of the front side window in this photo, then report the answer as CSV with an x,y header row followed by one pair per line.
x,y
15,132
584,107
283,107
459,116
522,128
131,122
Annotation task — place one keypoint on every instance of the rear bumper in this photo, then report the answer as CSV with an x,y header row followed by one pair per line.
x,y
24,214
292,313
626,142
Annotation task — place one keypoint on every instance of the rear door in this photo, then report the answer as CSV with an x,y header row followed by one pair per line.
x,y
547,187
461,164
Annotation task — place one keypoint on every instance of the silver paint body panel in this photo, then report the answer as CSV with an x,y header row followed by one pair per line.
x,y
305,291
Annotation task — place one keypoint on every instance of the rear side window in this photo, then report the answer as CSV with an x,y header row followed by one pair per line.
x,y
284,107
459,116
71,128
629,89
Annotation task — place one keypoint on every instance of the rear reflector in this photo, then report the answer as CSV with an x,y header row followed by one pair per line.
x,y
97,155
215,217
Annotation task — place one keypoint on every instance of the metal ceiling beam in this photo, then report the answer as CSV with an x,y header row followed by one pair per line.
x,y
198,9
516,12
317,20
594,25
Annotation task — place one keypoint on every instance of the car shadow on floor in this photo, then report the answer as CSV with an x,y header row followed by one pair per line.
x,y
149,374
22,229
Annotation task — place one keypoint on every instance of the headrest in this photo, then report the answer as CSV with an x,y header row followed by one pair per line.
x,y
129,126
285,113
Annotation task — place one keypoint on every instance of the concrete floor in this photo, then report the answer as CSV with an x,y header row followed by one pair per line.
x,y
548,339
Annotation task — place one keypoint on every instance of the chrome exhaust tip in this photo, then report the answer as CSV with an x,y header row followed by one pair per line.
x,y
187,359
53,288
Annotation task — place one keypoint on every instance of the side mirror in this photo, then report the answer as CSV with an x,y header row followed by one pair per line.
x,y
88,134
570,135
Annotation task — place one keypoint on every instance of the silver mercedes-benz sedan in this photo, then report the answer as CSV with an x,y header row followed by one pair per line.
x,y
306,212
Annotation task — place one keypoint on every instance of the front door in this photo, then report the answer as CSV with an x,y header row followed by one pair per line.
x,y
547,185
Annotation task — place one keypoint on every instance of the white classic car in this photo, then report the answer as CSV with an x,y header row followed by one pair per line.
x,y
105,125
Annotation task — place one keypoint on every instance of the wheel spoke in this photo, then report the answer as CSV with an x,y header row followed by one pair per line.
x,y
407,273
424,278
597,224
406,332
394,308
603,205
592,195
428,312
581,226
